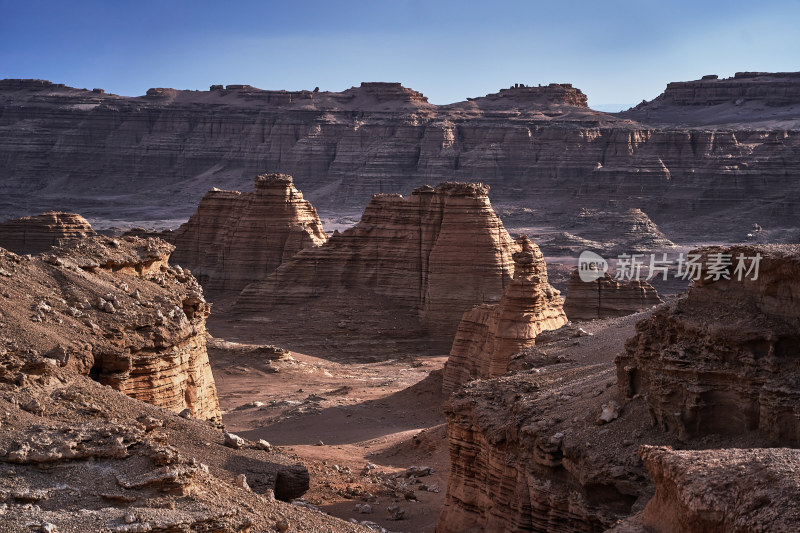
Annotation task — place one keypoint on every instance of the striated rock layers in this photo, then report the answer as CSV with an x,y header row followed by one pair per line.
x,y
730,490
489,335
39,233
235,239
430,257
606,297
540,145
724,358
115,310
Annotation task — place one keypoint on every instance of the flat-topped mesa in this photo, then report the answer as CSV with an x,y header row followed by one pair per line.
x,y
39,233
115,310
387,92
489,335
14,84
773,88
554,93
434,255
235,239
606,297
723,358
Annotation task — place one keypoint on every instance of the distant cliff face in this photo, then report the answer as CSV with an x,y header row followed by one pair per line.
x,y
152,157
39,233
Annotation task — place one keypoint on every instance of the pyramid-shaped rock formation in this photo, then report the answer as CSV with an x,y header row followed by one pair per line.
x,y
430,257
489,335
235,238
39,233
606,297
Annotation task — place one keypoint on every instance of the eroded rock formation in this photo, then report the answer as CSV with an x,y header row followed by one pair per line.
x,y
716,370
537,144
731,490
723,359
606,297
39,233
428,257
115,310
489,335
235,239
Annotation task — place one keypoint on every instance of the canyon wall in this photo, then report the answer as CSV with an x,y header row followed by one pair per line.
x,y
488,335
158,153
606,297
115,310
235,239
724,359
556,446
39,233
430,256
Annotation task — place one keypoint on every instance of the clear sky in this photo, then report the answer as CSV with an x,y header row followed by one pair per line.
x,y
616,52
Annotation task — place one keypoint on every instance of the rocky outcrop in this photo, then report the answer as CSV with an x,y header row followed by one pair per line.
x,y
428,257
773,88
538,144
235,239
489,335
723,358
606,297
35,234
731,490
79,456
115,310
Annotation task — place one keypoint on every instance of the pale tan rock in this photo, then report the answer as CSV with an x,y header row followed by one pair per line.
x,y
234,238
488,336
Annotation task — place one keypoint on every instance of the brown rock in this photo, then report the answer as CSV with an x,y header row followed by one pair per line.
x,y
430,257
488,336
718,359
238,238
152,348
734,490
606,297
39,233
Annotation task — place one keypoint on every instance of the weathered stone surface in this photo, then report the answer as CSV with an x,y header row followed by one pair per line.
x,y
723,359
730,490
114,309
537,144
488,336
238,238
39,233
431,256
606,297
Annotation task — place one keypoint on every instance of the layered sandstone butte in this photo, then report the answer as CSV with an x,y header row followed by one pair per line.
x,y
39,233
606,297
540,145
489,335
429,257
723,359
235,239
731,490
115,310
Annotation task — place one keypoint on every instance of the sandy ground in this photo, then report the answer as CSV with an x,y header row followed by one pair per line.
x,y
337,417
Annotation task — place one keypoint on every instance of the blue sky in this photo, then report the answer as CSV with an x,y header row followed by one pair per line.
x,y
615,51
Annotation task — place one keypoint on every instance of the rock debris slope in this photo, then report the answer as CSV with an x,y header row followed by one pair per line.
x,y
115,310
234,238
425,258
606,297
489,335
714,373
39,233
